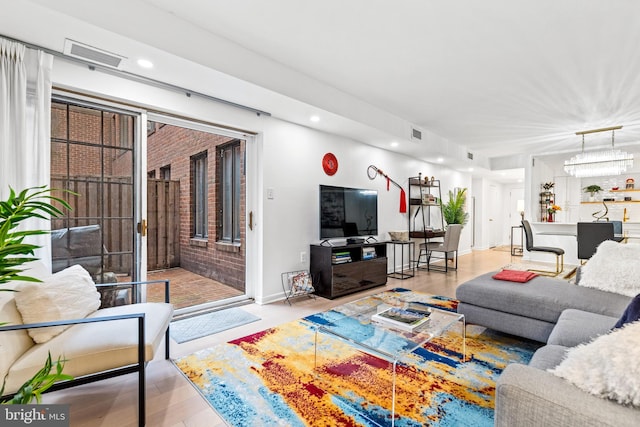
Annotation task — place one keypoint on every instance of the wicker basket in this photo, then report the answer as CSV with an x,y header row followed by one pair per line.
x,y
400,236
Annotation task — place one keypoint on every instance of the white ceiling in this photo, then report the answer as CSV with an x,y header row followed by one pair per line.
x,y
494,77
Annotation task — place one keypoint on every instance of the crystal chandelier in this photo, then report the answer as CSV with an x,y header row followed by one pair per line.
x,y
599,163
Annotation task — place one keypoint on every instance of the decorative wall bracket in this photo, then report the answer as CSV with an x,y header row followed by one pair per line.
x,y
373,172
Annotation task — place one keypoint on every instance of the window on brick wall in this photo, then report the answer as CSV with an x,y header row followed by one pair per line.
x,y
165,172
229,192
199,194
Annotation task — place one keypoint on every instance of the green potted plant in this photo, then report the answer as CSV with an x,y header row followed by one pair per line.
x,y
35,202
592,189
453,210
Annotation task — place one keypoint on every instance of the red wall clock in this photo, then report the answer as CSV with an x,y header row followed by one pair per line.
x,y
330,164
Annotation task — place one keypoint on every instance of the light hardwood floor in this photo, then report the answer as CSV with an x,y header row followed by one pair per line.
x,y
173,401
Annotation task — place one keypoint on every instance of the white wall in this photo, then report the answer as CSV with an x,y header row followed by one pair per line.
x,y
287,158
293,169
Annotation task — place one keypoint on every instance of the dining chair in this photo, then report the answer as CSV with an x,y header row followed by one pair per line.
x,y
558,252
448,250
590,235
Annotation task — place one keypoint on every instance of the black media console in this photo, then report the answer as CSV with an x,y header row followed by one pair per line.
x,y
343,270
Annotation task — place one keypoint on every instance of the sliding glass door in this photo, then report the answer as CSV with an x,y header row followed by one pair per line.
x,y
193,216
93,151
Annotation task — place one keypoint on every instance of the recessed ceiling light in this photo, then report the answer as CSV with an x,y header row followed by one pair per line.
x,y
394,143
145,63
470,169
314,118
439,160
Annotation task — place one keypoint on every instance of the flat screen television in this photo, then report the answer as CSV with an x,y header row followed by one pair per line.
x,y
347,212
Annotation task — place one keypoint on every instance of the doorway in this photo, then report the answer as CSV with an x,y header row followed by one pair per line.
x,y
196,209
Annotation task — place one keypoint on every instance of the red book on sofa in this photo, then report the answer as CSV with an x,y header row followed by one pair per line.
x,y
515,276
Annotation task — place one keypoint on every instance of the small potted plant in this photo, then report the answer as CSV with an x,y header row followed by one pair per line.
x,y
547,195
592,189
548,186
453,211
551,212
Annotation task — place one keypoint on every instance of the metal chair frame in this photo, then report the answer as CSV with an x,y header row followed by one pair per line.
x,y
558,252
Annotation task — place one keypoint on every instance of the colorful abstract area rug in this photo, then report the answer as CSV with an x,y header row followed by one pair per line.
x,y
272,378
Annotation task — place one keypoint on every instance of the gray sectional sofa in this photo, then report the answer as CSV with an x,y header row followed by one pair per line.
x,y
531,310
557,313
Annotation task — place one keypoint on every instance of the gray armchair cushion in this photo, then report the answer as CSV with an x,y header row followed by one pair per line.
x,y
548,357
77,245
576,326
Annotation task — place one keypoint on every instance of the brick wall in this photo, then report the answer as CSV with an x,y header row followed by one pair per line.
x,y
92,127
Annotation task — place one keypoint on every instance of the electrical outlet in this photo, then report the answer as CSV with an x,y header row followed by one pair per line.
x,y
303,256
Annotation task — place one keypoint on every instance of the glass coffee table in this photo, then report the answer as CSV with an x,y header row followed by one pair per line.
x,y
382,341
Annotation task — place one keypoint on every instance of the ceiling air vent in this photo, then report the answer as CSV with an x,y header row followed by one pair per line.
x,y
92,54
469,156
416,134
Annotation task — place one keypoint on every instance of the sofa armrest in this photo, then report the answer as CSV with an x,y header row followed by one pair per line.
x,y
530,397
66,322
140,345
69,322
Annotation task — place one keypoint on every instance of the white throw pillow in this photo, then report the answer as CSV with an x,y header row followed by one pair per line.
x,y
65,295
607,366
613,268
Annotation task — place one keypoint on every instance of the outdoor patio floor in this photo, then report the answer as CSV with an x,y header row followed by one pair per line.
x,y
188,289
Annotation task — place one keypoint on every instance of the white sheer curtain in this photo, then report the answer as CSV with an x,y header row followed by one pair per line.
x,y
25,125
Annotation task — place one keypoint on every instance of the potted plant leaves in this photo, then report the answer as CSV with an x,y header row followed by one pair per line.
x,y
592,189
33,202
453,210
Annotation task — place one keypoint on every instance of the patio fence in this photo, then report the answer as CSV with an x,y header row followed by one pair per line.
x,y
114,212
